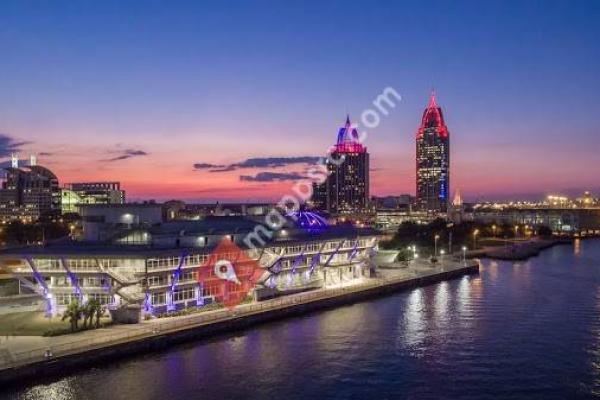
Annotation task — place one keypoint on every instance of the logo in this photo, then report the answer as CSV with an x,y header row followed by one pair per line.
x,y
229,275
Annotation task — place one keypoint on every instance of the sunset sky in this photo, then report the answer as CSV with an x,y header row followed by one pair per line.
x,y
172,98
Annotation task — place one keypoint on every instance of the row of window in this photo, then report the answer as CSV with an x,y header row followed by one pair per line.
x,y
158,298
82,282
75,264
191,260
184,294
64,299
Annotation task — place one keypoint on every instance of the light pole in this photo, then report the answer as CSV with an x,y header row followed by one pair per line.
x,y
435,240
494,227
475,233
449,228
413,248
464,250
516,231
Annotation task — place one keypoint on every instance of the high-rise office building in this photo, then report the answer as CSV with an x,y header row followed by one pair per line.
x,y
91,193
29,192
346,189
433,160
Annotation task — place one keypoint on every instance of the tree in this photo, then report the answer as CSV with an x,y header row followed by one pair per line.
x,y
88,313
95,309
99,312
73,314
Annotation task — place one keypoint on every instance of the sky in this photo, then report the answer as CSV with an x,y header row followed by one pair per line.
x,y
233,100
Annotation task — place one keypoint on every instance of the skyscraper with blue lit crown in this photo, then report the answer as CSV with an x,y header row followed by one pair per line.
x,y
346,190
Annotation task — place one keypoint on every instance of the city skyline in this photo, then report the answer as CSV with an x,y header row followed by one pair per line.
x,y
155,107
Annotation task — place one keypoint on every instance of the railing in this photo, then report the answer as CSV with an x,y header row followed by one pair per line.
x,y
113,336
121,278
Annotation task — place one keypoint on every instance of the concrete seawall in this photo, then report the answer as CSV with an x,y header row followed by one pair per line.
x,y
90,356
519,251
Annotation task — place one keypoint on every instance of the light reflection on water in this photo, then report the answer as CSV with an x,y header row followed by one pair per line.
x,y
415,326
528,330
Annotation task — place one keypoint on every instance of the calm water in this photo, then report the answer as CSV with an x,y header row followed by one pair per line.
x,y
524,330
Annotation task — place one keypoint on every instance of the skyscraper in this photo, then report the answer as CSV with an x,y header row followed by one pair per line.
x,y
29,192
346,189
433,160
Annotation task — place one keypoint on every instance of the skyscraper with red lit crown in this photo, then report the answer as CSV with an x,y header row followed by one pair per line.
x,y
433,160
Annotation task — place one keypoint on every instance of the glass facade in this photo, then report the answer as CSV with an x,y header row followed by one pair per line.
x,y
433,161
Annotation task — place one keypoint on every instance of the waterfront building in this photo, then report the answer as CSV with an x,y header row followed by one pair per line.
x,y
393,211
389,220
562,220
29,192
346,189
91,193
155,267
433,160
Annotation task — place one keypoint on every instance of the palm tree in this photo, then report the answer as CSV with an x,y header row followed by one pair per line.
x,y
88,313
73,314
99,311
93,307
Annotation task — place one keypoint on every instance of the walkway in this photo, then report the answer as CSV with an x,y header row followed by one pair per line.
x,y
22,350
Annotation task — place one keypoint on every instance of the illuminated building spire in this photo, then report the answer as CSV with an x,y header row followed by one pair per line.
x,y
433,118
457,202
348,139
432,103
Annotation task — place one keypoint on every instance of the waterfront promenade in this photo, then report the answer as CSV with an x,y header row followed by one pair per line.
x,y
29,351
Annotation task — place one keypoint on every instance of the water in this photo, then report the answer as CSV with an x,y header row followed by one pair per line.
x,y
523,330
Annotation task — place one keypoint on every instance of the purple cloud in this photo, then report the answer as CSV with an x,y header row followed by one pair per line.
x,y
272,177
129,153
258,162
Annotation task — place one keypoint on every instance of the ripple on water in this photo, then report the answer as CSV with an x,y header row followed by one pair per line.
x,y
528,330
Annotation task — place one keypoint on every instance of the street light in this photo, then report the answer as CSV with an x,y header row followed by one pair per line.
x,y
413,248
494,227
516,231
475,233
436,237
464,250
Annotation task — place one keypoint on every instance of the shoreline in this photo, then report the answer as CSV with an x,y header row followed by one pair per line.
x,y
160,335
518,251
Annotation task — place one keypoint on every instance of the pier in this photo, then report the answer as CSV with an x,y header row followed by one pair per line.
x,y
35,357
